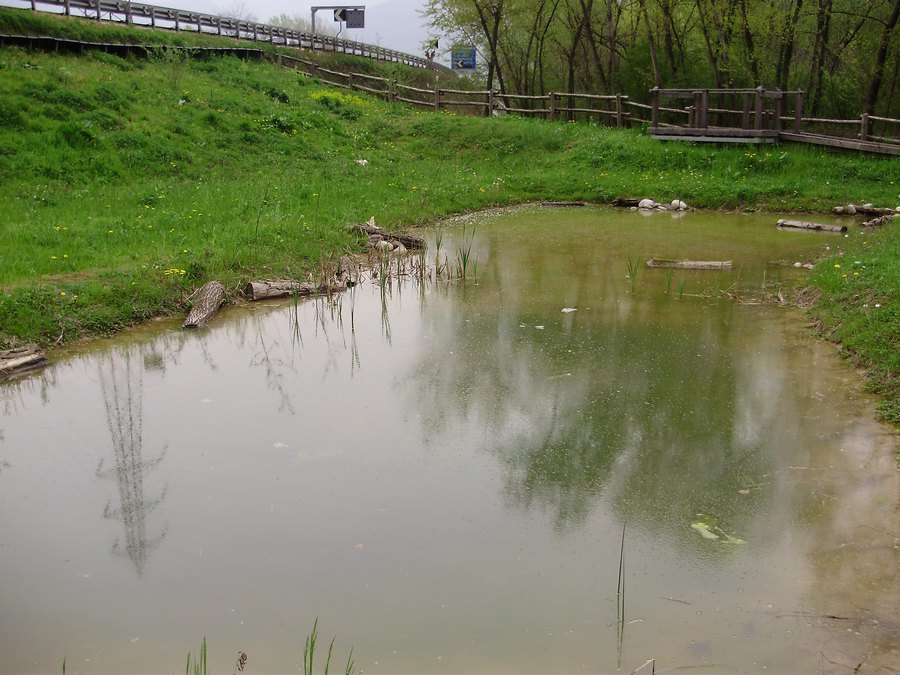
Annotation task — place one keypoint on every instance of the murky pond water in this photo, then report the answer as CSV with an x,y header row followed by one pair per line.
x,y
444,478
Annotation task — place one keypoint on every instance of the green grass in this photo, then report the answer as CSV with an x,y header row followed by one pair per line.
x,y
858,308
126,184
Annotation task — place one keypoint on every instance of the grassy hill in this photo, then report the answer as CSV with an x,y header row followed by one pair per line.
x,y
125,184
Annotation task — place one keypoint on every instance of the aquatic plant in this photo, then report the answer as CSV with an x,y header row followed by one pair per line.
x,y
633,266
197,666
309,652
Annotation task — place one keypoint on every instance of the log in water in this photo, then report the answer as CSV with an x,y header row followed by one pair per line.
x,y
690,264
209,298
806,225
21,360
282,288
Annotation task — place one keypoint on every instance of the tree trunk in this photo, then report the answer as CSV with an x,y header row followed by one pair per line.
x,y
786,50
657,77
748,42
880,58
816,70
710,52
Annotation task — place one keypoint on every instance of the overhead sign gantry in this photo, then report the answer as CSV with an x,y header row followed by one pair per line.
x,y
352,16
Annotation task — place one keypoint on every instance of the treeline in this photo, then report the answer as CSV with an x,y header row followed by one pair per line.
x,y
845,54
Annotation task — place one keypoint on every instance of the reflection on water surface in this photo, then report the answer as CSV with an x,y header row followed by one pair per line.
x,y
444,478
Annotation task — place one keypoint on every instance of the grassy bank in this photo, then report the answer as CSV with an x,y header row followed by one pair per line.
x,y
126,184
858,309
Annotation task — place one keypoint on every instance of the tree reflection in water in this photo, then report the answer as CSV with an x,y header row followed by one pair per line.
x,y
121,384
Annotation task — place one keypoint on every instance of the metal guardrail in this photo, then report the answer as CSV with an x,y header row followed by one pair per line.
x,y
169,18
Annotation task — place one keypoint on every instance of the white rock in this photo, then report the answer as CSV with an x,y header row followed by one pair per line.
x,y
680,205
897,209
384,246
399,249
851,209
838,209
647,204
868,205
798,264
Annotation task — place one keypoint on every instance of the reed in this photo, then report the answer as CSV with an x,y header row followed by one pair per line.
x,y
620,597
670,275
464,254
309,653
197,666
633,266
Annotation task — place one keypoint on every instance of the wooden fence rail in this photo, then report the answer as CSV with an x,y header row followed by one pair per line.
x,y
153,16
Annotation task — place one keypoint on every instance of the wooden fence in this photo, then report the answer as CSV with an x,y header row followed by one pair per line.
x,y
152,16
760,115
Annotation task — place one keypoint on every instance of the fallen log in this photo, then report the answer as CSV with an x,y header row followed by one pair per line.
x,y
408,240
562,203
20,361
282,288
805,225
880,220
625,202
207,302
690,264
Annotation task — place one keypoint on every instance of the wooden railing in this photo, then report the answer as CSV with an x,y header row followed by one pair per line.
x,y
760,114
153,16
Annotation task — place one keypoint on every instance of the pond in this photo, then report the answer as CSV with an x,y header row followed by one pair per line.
x,y
549,468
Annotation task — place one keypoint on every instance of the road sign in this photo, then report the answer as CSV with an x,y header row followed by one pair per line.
x,y
463,58
354,18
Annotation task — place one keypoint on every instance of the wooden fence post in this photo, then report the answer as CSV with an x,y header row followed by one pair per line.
x,y
68,8
437,97
490,103
619,120
798,111
704,114
552,106
864,127
779,104
654,113
745,118
98,10
33,6
758,110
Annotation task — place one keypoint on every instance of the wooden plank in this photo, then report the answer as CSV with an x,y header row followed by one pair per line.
x,y
836,142
724,132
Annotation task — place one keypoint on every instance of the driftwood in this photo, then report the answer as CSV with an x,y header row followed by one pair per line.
x,y
209,298
408,240
562,203
282,288
21,360
804,225
626,202
880,220
690,264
